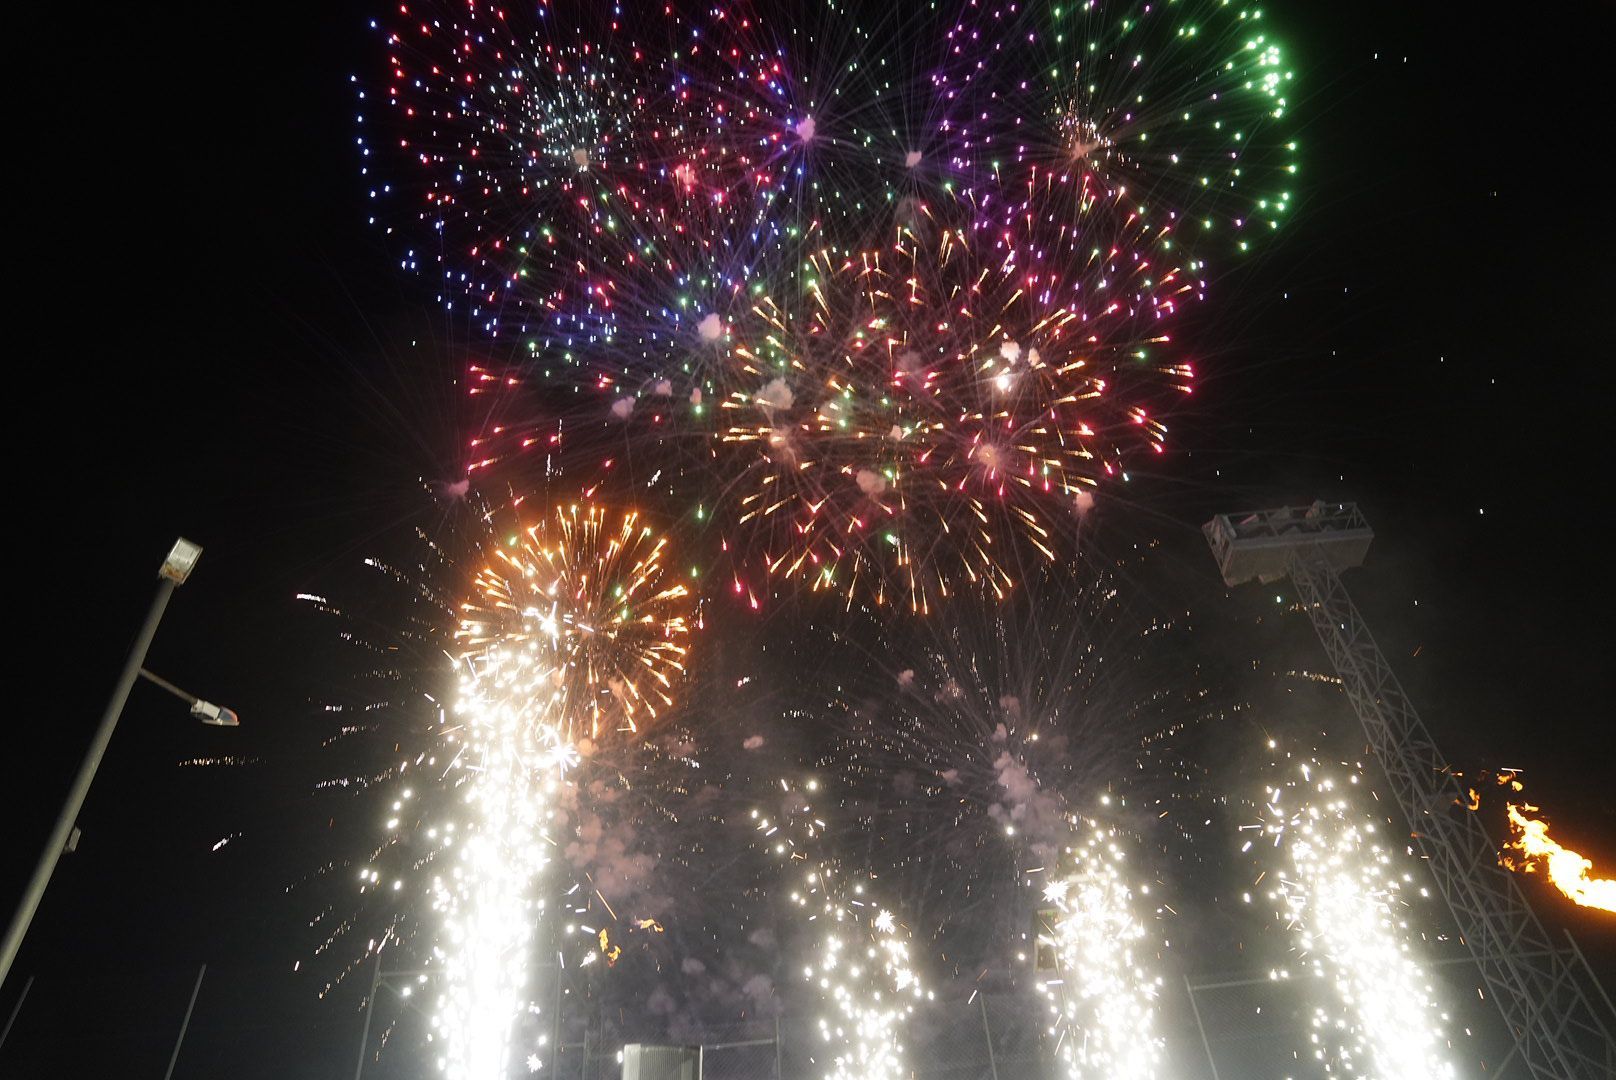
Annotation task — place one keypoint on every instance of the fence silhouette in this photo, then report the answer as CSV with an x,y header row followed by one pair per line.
x,y
1239,1026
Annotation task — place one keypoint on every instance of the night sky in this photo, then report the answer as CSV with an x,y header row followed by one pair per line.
x,y
215,344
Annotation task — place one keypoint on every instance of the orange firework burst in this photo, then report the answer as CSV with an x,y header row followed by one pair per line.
x,y
597,590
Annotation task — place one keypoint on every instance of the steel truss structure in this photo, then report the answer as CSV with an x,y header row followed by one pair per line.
x,y
1543,988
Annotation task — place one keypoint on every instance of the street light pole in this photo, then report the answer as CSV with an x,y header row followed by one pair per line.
x,y
185,1025
174,571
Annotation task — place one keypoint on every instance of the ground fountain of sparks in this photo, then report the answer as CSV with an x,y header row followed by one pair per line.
x,y
861,963
512,759
573,637
1103,999
1345,897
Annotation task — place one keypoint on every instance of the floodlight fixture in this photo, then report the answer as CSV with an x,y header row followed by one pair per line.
x,y
181,561
217,715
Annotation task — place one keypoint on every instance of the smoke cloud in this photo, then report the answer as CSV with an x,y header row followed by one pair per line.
x,y
775,395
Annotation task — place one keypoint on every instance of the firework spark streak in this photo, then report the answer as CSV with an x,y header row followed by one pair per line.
x,y
1103,1003
1344,897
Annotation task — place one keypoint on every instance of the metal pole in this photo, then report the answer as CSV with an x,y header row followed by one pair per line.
x,y
993,1066
557,1027
1196,1009
776,1046
1577,949
158,680
370,1006
81,783
15,1009
186,1023
1610,1044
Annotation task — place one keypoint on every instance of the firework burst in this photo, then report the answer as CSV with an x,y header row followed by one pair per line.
x,y
596,590
1183,104
936,410
497,136
875,383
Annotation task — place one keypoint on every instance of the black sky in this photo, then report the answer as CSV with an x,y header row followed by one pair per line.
x,y
209,340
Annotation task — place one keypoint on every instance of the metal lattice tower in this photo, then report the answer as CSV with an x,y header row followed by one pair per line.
x,y
1543,988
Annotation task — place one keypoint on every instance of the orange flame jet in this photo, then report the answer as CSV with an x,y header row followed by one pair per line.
x,y
1568,870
